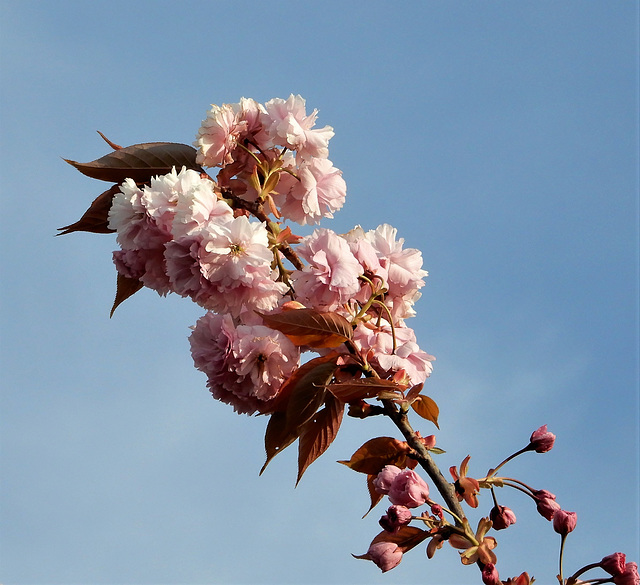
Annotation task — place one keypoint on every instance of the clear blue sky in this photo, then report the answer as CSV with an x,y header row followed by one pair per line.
x,y
500,138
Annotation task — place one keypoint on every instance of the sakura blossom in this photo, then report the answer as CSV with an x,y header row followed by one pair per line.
x,y
331,276
316,192
542,440
386,555
245,364
224,128
287,124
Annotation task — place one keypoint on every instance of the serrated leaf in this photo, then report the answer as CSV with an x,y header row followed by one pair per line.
x,y
96,218
140,162
277,437
374,494
125,287
376,453
406,537
361,388
318,433
308,327
426,408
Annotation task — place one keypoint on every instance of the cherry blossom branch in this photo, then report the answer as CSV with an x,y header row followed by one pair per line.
x,y
401,420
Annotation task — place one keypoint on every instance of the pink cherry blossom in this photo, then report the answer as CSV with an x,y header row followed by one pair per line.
x,y
245,364
330,277
408,489
145,265
384,479
317,192
224,127
287,124
128,216
379,341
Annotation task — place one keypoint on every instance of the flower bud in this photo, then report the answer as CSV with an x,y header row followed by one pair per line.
x,y
490,575
564,522
614,564
385,555
542,440
629,576
395,518
502,517
546,503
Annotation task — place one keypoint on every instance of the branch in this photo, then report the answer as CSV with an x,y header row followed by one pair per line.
x,y
445,488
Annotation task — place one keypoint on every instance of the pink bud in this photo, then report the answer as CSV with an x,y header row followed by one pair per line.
x,y
385,478
395,518
629,576
386,555
564,522
542,440
502,517
408,489
546,503
490,575
614,564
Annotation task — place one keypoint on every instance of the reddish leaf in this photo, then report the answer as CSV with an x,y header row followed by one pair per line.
x,y
378,452
406,537
140,162
414,391
318,433
426,408
299,399
125,287
277,437
363,388
375,495
96,218
309,327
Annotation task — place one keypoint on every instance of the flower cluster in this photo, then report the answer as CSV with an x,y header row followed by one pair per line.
x,y
269,295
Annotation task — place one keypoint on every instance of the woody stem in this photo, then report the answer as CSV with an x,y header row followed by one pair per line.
x,y
445,488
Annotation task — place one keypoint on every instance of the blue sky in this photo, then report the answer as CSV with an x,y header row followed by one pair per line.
x,y
500,138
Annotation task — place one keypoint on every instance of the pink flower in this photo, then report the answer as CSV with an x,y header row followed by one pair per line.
x,y
490,575
318,192
541,440
385,478
245,364
128,216
145,265
378,339
385,555
330,277
614,564
564,522
629,576
408,489
224,128
395,518
546,503
502,517
287,124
